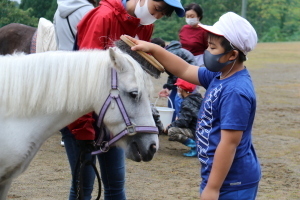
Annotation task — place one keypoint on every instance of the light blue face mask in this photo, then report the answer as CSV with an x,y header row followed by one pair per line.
x,y
212,63
180,95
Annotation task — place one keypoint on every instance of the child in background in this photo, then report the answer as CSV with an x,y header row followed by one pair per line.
x,y
183,128
230,168
169,89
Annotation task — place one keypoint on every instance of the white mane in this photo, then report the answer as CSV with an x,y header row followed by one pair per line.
x,y
56,81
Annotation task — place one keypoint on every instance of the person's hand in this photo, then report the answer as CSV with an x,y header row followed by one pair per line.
x,y
164,93
141,45
166,131
209,194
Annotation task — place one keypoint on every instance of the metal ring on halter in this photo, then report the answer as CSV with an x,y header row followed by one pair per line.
x,y
114,92
131,130
104,147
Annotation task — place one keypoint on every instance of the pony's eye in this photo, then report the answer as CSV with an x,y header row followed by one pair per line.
x,y
133,94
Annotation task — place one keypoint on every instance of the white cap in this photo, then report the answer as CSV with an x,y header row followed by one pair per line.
x,y
236,29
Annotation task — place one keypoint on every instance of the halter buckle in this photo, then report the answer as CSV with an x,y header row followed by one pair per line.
x,y
131,130
104,147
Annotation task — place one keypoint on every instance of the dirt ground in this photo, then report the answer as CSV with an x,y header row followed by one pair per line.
x,y
275,71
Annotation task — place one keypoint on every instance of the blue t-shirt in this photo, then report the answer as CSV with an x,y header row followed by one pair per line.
x,y
228,104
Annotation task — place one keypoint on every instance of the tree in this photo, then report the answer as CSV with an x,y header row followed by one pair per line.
x,y
39,8
273,20
50,13
168,28
276,20
10,13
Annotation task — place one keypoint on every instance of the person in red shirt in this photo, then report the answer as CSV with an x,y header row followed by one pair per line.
x,y
98,30
192,36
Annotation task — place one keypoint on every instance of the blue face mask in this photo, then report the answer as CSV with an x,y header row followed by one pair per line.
x,y
180,95
212,63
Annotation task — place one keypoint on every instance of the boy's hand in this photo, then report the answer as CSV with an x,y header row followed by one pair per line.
x,y
209,194
141,45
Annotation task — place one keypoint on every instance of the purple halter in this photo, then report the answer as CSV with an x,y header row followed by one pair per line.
x,y
130,128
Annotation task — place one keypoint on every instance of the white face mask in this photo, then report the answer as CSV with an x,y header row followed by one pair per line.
x,y
142,12
192,21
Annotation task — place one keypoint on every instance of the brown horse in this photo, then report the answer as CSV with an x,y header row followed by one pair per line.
x,y
16,37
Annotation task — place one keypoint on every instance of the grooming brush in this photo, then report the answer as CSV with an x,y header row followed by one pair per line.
x,y
148,62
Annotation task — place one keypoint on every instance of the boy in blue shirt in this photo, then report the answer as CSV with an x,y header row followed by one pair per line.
x,y
230,168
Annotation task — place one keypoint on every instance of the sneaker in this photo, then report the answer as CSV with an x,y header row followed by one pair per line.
x,y
190,143
191,153
62,143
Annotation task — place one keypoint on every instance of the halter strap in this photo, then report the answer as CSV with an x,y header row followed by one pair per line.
x,y
130,128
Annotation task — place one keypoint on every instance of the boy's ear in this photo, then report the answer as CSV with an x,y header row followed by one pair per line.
x,y
234,55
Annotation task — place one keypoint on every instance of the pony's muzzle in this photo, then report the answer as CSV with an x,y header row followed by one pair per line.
x,y
142,147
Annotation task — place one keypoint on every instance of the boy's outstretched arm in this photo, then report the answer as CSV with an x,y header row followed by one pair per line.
x,y
170,61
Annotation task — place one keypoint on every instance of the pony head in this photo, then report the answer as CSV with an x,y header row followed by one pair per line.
x,y
133,88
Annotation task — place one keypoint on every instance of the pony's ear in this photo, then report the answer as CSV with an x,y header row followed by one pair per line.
x,y
115,58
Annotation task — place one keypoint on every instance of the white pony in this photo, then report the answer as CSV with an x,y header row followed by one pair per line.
x,y
41,93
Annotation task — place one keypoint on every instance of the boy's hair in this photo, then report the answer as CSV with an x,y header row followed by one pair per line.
x,y
195,7
227,46
159,42
169,9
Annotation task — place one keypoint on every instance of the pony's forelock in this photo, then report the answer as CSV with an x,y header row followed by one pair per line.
x,y
143,79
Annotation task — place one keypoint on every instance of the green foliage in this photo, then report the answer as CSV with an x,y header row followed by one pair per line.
x,y
168,28
40,9
274,20
10,13
50,13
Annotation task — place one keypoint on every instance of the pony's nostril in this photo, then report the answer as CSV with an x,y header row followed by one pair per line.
x,y
153,148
